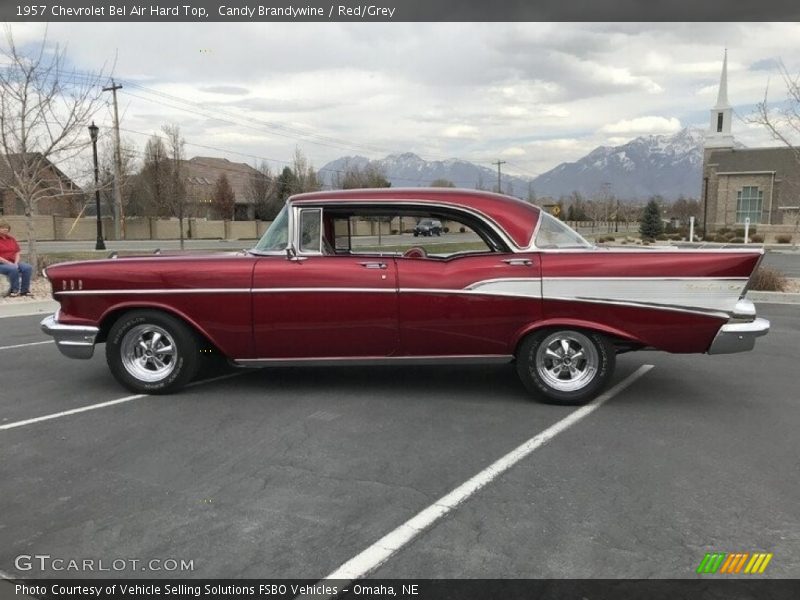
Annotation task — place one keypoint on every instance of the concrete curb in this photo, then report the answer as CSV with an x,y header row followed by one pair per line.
x,y
25,309
774,297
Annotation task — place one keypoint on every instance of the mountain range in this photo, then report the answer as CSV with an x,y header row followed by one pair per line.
x,y
666,165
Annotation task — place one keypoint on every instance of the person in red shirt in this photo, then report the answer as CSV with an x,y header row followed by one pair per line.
x,y
10,265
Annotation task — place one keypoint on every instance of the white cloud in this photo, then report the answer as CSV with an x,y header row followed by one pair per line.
x,y
544,92
643,125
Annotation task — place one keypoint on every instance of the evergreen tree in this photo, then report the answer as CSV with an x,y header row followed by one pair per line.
x,y
651,225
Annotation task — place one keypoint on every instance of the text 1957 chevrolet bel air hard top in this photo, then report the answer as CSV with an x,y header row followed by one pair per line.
x,y
339,278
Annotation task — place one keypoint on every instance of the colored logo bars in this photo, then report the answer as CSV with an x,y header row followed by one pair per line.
x,y
734,562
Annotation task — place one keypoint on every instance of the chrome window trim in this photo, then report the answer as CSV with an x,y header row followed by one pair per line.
x,y
298,210
421,203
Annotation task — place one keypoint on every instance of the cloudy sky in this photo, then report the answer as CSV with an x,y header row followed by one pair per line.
x,y
533,94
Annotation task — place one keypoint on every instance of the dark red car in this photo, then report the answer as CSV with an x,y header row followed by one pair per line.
x,y
329,283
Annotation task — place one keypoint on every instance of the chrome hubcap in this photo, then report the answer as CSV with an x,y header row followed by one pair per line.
x,y
567,361
148,353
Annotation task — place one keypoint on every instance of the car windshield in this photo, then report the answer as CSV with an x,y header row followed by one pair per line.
x,y
555,234
276,238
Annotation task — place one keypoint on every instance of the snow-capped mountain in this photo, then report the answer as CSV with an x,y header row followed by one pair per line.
x,y
657,164
409,170
668,165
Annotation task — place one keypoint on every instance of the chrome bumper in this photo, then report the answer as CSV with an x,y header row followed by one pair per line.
x,y
74,341
739,336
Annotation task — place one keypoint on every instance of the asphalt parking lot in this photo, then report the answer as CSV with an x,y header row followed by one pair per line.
x,y
293,472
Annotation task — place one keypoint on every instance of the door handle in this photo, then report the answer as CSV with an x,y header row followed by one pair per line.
x,y
518,262
373,265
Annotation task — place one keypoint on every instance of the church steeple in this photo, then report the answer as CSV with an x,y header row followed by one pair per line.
x,y
719,134
722,96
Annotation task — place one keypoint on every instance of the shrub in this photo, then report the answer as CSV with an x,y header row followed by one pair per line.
x,y
611,238
722,231
736,240
395,231
783,239
768,279
757,239
740,231
722,238
676,237
662,237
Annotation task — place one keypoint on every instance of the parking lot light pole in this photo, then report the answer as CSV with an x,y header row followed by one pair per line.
x,y
100,244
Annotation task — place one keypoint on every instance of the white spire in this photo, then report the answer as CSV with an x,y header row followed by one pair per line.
x,y
722,97
719,133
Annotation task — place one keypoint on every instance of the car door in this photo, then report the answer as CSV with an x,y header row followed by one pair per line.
x,y
467,305
315,305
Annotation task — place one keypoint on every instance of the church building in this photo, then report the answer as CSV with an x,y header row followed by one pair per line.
x,y
760,184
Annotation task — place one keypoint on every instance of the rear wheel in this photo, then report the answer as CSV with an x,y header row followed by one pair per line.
x,y
151,352
565,366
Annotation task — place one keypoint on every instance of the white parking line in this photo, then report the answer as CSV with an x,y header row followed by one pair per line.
x,y
371,558
89,407
24,345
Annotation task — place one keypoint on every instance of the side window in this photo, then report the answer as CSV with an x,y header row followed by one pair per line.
x,y
413,234
309,230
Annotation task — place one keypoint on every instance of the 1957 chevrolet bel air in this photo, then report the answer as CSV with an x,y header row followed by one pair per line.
x,y
508,283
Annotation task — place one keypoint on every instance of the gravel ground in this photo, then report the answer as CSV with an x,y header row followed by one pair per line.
x,y
40,290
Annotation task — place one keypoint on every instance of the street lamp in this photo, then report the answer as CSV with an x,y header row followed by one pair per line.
x,y
100,245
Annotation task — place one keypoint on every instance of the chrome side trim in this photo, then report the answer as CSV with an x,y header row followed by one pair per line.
x,y
154,291
324,290
73,341
738,337
334,361
650,306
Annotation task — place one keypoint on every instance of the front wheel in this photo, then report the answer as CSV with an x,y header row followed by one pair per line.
x,y
151,352
565,366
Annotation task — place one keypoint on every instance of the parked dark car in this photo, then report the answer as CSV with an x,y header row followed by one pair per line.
x,y
428,227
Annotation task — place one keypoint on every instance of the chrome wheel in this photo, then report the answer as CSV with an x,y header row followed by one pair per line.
x,y
567,361
148,353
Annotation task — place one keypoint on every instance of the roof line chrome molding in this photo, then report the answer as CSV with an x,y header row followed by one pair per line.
x,y
651,250
333,361
516,248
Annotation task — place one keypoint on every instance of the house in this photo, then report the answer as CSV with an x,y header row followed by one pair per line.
x,y
58,194
759,184
200,176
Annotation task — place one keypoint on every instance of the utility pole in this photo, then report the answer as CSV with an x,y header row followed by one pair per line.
x,y
498,163
119,217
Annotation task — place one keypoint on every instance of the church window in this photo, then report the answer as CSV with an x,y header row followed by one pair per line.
x,y
719,122
748,204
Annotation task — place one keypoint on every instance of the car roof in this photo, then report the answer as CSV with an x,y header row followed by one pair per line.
x,y
516,218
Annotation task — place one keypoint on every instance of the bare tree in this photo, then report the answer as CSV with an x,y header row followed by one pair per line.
x,y
44,112
262,192
223,200
371,176
306,179
175,200
783,123
154,176
127,173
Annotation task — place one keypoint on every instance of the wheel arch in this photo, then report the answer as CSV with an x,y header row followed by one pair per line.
x,y
620,338
112,315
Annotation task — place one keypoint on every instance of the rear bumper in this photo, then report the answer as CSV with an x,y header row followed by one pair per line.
x,y
738,337
74,341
